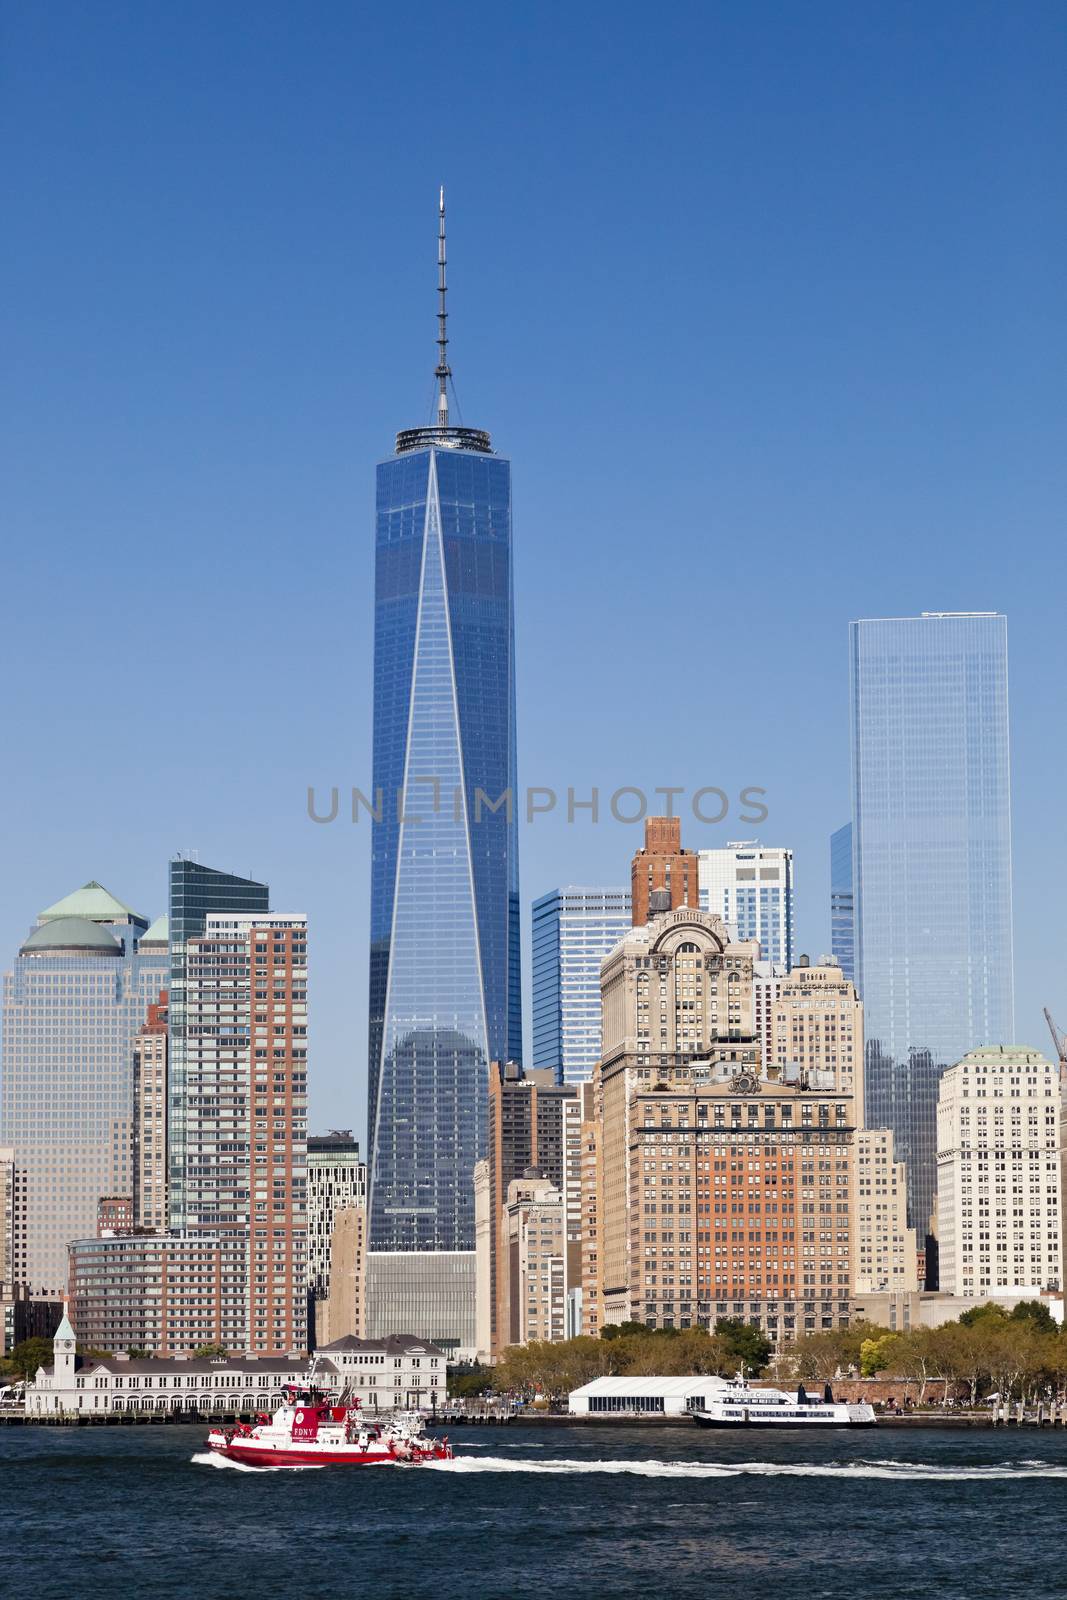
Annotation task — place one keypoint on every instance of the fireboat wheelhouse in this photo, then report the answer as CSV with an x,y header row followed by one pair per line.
x,y
316,1426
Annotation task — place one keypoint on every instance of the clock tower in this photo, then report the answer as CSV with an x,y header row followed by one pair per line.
x,y
63,1354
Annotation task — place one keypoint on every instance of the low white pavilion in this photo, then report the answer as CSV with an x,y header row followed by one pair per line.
x,y
643,1397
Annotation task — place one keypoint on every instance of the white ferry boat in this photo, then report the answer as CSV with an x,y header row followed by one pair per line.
x,y
738,1405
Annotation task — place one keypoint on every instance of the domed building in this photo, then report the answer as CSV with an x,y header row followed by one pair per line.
x,y
74,1000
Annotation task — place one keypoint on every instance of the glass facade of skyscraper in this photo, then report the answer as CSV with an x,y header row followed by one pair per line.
x,y
445,993
931,845
842,914
573,930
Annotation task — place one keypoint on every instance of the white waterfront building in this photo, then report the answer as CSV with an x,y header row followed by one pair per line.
x,y
383,1374
999,1206
643,1397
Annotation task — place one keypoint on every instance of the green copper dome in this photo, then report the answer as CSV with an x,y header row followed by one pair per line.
x,y
71,933
91,901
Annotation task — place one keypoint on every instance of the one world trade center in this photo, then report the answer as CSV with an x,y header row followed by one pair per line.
x,y
445,997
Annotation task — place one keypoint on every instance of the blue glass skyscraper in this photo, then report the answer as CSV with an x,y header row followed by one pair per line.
x,y
842,910
931,848
573,930
445,994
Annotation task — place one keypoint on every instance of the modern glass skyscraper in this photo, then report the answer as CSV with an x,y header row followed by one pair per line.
x,y
444,980
842,912
931,846
573,930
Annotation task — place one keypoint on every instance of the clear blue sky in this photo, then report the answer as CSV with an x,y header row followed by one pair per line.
x,y
764,302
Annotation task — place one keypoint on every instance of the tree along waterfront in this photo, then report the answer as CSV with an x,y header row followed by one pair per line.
x,y
1021,1354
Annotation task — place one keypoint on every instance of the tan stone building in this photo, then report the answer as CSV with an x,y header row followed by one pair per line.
x,y
150,1119
532,1262
663,865
722,1190
341,1312
534,1123
484,1263
590,1180
818,1026
885,1249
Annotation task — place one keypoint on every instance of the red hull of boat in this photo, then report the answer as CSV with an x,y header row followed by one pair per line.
x,y
294,1457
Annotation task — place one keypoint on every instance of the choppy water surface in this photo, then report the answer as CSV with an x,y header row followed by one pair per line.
x,y
542,1511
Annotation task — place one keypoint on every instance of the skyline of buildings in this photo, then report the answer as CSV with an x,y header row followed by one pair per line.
x,y
713,1124
724,1183
225,1261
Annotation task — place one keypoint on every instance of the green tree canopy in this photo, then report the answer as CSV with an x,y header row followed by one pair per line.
x,y
749,1347
876,1355
28,1355
987,1312
1035,1312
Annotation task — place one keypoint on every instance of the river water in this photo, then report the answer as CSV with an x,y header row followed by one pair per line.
x,y
613,1512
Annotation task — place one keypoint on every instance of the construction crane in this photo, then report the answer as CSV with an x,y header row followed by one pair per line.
x,y
1059,1039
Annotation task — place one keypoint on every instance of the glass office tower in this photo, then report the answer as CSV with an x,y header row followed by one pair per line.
x,y
931,847
573,930
842,915
445,996
74,999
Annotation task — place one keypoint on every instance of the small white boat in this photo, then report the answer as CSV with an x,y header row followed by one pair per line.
x,y
738,1405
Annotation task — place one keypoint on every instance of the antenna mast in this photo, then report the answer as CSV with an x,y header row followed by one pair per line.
x,y
442,371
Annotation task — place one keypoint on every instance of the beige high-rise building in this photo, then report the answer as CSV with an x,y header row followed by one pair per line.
x,y
999,1203
484,1262
336,1183
722,1190
534,1123
150,1119
12,1219
532,1261
818,1026
885,1248
341,1313
590,1182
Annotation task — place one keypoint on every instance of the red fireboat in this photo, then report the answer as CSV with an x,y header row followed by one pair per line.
x,y
314,1428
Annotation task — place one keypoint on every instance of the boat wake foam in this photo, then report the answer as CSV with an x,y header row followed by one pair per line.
x,y
208,1458
902,1470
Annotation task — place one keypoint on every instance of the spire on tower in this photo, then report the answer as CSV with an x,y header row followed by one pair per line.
x,y
441,434
443,371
